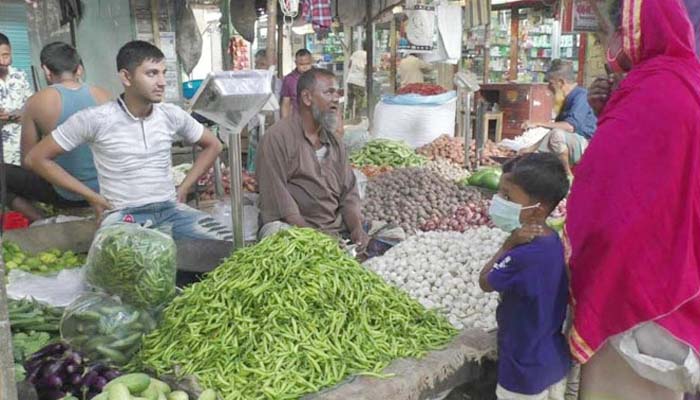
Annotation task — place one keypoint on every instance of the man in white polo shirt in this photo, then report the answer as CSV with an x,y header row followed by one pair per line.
x,y
131,140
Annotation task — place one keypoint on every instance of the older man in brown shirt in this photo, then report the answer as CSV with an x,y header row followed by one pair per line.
x,y
303,170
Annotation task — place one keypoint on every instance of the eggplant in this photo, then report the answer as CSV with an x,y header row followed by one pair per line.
x,y
34,365
50,382
51,368
53,349
74,357
52,395
76,380
72,368
111,374
89,379
100,383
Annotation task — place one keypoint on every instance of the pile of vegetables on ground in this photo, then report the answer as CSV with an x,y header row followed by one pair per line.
x,y
386,153
206,185
371,171
441,270
410,197
135,263
33,326
57,371
446,147
467,216
423,89
141,386
44,263
263,327
487,178
447,170
452,149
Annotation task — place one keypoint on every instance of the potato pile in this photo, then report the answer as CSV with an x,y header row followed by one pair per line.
x,y
410,197
452,149
446,147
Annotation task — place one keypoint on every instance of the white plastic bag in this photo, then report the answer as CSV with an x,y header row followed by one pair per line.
x,y
417,125
58,290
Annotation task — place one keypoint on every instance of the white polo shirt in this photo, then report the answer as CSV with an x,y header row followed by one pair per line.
x,y
132,155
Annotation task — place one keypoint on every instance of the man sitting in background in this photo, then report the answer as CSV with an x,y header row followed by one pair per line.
x,y
575,124
303,170
44,111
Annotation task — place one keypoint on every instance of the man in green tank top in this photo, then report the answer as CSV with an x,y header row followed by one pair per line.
x,y
44,111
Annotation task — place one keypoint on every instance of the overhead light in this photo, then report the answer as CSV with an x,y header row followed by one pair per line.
x,y
397,10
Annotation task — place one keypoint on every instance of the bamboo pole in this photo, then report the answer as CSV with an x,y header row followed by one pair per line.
x,y
369,35
271,49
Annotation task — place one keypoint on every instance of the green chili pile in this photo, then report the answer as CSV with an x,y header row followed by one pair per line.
x,y
288,317
386,153
135,263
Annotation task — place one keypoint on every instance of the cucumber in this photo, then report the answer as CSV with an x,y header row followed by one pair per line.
x,y
118,391
88,316
161,396
136,383
207,395
126,342
115,355
178,395
160,386
151,393
101,396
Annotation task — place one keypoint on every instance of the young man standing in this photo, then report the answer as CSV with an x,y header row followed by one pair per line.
x,y
131,140
44,111
303,61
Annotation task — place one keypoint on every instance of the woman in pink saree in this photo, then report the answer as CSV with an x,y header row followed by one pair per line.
x,y
634,215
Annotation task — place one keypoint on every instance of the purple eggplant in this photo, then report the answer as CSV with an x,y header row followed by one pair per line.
x,y
53,349
111,374
34,365
51,368
52,395
90,377
100,383
74,357
50,382
75,380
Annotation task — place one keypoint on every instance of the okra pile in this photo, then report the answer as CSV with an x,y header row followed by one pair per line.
x,y
287,317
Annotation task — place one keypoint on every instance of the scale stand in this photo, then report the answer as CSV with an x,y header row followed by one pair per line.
x,y
231,99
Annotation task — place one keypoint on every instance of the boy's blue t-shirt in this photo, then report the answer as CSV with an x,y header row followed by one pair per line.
x,y
532,351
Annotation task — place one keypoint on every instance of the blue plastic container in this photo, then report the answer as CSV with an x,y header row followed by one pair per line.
x,y
189,88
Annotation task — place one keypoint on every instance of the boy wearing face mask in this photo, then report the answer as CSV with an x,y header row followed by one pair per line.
x,y
529,272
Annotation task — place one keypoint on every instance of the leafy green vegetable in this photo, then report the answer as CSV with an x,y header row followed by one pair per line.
x,y
135,263
24,345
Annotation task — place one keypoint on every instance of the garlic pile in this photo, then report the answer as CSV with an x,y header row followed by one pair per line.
x,y
441,270
446,169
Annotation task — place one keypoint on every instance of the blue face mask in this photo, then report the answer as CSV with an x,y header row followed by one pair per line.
x,y
506,214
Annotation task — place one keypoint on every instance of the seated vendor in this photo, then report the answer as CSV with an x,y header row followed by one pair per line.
x,y
44,111
131,140
575,124
303,171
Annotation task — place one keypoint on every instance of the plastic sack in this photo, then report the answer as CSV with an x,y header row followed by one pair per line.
x,y
417,125
356,136
135,263
105,329
361,182
413,99
58,290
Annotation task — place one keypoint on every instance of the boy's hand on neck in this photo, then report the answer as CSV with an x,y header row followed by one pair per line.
x,y
524,235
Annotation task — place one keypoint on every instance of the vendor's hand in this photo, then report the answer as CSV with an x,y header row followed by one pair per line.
x,y
360,238
100,205
182,193
10,117
524,235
